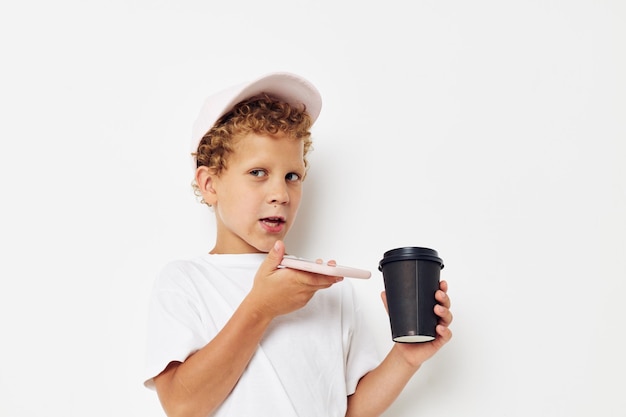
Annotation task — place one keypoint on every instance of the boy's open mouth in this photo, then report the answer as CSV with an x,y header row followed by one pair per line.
x,y
273,221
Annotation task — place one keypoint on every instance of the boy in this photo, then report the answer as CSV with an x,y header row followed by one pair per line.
x,y
230,333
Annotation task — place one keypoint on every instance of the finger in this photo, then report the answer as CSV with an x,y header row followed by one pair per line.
x,y
444,332
442,298
445,315
316,281
320,261
325,280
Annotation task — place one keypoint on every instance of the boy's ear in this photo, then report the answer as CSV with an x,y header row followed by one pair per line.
x,y
205,177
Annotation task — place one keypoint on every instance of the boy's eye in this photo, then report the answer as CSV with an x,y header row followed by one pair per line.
x,y
258,173
292,176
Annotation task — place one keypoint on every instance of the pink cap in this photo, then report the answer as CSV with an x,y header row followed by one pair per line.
x,y
291,88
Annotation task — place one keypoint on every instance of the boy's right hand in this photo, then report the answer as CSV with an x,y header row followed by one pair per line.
x,y
277,291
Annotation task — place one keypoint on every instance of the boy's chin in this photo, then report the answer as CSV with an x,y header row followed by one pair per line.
x,y
266,245
265,248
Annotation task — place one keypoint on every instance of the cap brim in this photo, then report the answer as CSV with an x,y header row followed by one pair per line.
x,y
288,87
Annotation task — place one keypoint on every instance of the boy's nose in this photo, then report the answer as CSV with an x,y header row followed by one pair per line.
x,y
278,194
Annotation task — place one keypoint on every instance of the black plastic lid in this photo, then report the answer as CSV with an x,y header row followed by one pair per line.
x,y
410,253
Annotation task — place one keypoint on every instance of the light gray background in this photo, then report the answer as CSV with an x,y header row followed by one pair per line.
x,y
492,131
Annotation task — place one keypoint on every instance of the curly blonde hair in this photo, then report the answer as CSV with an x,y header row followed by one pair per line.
x,y
261,114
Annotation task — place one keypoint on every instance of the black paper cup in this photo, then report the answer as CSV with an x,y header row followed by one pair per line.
x,y
411,276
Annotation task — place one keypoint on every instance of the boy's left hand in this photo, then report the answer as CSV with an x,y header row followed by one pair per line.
x,y
417,353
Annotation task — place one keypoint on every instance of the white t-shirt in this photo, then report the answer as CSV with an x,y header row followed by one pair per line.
x,y
307,362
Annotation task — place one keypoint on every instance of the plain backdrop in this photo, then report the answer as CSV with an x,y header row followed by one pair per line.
x,y
492,131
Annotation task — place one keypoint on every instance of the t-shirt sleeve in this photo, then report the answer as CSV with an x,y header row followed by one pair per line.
x,y
174,324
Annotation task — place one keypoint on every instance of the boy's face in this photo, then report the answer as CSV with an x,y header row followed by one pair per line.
x,y
256,198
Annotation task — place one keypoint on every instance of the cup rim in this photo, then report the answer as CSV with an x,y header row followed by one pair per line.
x,y
408,253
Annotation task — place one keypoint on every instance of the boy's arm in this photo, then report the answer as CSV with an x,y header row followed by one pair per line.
x,y
199,385
379,388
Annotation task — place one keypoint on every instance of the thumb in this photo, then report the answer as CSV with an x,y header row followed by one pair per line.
x,y
274,257
383,296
